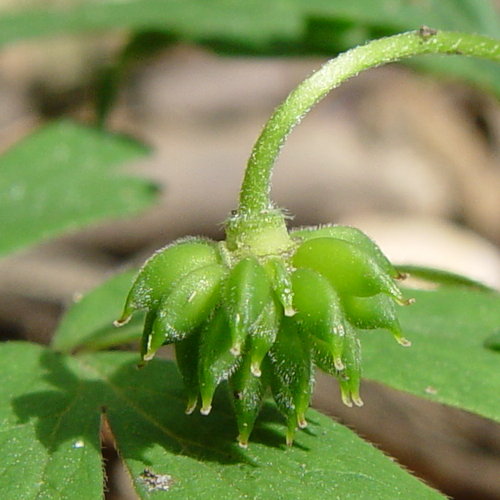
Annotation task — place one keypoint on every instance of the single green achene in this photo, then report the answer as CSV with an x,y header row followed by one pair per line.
x,y
266,307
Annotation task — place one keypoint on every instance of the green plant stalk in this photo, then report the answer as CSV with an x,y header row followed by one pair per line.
x,y
254,202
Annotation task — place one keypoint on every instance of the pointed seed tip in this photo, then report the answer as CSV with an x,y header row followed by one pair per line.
x,y
191,406
205,410
255,369
404,342
290,311
235,350
357,401
339,365
242,442
404,302
148,356
346,400
301,422
122,321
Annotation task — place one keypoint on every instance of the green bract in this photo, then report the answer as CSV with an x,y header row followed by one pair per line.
x,y
266,307
265,321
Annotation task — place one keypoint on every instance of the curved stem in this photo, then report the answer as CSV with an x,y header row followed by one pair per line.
x,y
254,195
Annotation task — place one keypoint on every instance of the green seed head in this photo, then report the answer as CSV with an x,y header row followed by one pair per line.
x,y
263,310
266,307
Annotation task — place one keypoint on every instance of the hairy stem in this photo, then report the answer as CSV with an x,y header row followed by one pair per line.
x,y
255,190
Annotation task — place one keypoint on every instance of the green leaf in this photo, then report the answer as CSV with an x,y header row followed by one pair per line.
x,y
448,361
260,26
49,439
50,409
64,177
441,277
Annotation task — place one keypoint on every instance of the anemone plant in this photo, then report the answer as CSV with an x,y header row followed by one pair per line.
x,y
264,308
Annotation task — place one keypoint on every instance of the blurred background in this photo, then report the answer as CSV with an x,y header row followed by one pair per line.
x,y
409,156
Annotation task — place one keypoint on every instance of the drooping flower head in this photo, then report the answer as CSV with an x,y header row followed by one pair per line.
x,y
264,308
263,311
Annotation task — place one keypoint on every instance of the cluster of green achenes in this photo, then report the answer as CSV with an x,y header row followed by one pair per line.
x,y
265,307
263,319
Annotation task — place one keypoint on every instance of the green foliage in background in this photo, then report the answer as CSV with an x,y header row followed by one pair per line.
x,y
64,176
282,27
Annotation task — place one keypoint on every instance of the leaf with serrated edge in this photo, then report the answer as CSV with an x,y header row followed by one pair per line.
x,y
447,361
50,409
